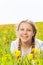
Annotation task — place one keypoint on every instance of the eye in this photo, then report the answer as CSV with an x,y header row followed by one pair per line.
x,y
28,30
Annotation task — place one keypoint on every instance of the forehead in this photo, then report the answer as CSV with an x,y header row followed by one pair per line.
x,y
25,25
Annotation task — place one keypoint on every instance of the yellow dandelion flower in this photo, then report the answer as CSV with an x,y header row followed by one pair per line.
x,y
30,56
4,39
35,50
17,53
3,58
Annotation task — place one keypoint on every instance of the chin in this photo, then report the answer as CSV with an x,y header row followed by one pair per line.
x,y
25,40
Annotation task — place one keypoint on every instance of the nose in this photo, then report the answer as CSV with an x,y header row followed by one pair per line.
x,y
25,32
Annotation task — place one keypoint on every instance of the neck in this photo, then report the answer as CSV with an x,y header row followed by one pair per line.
x,y
26,44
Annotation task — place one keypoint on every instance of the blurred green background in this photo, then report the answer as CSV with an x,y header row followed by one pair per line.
x,y
8,32
39,26
7,35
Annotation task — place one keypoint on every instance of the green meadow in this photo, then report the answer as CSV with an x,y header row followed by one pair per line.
x,y
39,26
7,35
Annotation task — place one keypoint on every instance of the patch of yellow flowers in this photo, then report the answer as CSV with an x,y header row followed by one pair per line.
x,y
6,57
16,53
35,50
30,59
4,39
30,56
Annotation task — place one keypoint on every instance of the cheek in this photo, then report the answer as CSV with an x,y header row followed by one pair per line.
x,y
30,34
19,33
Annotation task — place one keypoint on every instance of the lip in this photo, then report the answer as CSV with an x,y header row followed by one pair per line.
x,y
24,37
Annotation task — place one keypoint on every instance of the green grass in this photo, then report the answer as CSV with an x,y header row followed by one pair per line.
x,y
7,35
39,26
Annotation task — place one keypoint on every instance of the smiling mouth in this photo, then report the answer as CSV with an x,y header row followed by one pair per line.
x,y
24,37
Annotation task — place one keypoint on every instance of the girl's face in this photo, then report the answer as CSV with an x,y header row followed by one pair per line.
x,y
25,32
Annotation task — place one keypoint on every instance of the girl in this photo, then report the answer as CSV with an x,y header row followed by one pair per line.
x,y
26,41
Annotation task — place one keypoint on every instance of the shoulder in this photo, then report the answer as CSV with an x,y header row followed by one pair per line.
x,y
14,42
14,45
38,44
38,41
